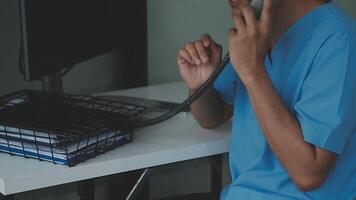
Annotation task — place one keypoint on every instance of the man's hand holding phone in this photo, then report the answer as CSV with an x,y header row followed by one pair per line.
x,y
198,60
249,40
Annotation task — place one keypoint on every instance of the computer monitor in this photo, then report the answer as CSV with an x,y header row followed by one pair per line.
x,y
58,34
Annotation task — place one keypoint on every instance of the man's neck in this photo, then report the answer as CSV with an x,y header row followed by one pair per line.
x,y
287,12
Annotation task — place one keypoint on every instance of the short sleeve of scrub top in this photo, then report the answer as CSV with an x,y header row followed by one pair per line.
x,y
327,94
226,84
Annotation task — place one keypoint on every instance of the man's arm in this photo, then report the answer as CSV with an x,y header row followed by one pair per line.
x,y
197,61
306,164
209,110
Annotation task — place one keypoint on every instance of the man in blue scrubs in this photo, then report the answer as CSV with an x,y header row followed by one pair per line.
x,y
291,93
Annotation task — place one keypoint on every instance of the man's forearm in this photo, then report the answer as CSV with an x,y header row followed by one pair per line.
x,y
209,110
304,162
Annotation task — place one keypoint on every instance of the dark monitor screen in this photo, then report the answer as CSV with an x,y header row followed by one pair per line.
x,y
58,34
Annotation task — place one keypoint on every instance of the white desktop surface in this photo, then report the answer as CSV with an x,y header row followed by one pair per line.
x,y
177,139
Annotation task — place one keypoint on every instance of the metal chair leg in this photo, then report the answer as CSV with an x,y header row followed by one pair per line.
x,y
139,186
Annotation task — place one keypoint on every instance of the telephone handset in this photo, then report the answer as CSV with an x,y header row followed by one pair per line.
x,y
257,5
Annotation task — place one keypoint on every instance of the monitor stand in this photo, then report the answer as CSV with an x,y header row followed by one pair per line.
x,y
53,82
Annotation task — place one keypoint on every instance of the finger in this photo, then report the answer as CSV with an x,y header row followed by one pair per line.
x,y
249,16
206,39
266,16
214,46
236,11
190,47
216,50
182,61
203,55
239,22
184,57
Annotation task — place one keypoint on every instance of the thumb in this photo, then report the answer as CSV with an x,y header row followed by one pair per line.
x,y
206,40
216,50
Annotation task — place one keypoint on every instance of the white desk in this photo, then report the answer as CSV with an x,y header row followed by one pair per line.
x,y
172,141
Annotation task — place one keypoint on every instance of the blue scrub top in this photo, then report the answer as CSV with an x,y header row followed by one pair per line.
x,y
313,69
